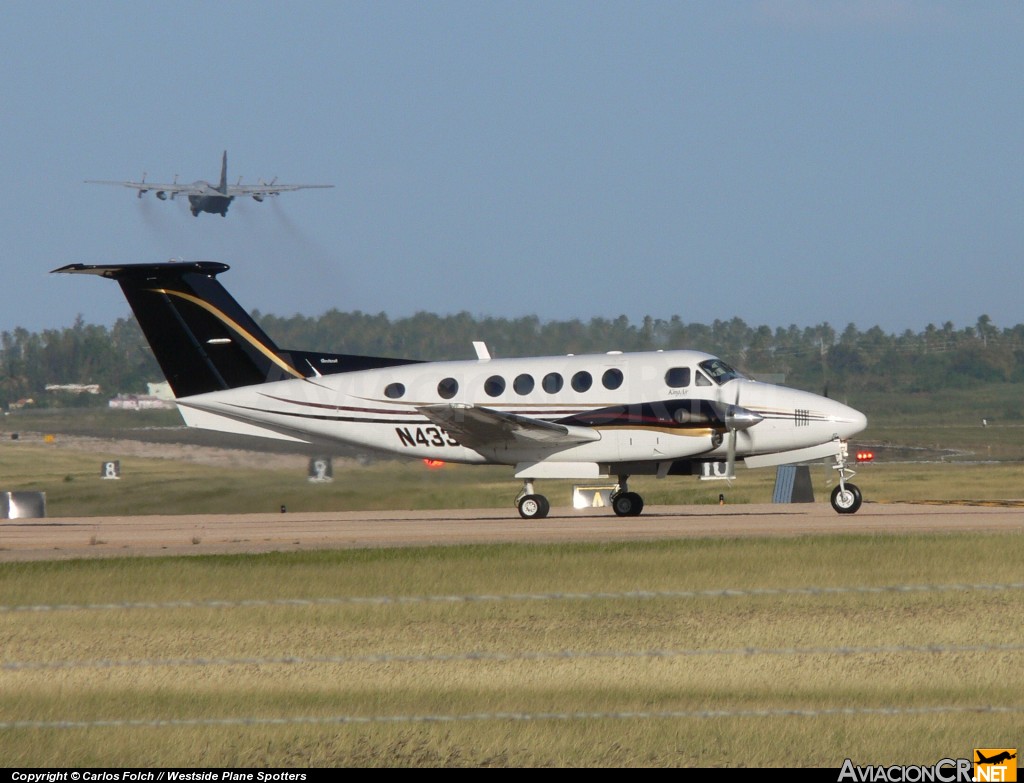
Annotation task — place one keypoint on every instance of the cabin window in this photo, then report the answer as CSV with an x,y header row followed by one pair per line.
x,y
678,377
448,388
523,384
552,383
494,386
582,381
612,379
394,391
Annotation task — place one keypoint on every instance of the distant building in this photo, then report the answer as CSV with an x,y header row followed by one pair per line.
x,y
159,396
137,402
74,388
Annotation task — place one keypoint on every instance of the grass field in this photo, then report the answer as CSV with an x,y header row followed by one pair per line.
x,y
274,660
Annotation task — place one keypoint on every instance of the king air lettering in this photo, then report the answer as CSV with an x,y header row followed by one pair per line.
x,y
424,436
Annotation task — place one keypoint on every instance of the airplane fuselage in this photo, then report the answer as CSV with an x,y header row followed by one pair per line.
x,y
209,200
645,410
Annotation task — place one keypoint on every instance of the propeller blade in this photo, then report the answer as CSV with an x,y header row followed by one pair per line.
x,y
730,422
737,418
730,462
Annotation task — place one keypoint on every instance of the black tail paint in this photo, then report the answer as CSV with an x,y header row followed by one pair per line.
x,y
202,338
223,186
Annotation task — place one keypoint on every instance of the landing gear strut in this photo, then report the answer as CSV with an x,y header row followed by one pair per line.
x,y
846,497
530,504
624,502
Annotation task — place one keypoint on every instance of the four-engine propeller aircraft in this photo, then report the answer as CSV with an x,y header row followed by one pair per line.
x,y
205,197
661,413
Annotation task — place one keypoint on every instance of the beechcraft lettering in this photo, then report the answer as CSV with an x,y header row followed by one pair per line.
x,y
614,415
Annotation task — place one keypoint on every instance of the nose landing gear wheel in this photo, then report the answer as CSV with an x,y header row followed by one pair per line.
x,y
846,499
534,507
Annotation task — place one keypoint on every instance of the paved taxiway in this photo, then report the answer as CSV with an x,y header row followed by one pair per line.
x,y
65,538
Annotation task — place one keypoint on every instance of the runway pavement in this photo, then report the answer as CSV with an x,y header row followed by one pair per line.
x,y
90,537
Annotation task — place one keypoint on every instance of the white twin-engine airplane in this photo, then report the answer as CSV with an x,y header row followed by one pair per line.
x,y
661,413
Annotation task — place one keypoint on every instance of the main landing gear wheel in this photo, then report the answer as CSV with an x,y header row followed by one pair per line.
x,y
534,507
627,504
846,499
624,502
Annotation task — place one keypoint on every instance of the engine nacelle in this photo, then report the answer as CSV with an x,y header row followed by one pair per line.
x,y
257,196
161,195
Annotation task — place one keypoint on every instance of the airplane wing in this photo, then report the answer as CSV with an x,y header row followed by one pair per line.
x,y
268,189
476,427
142,187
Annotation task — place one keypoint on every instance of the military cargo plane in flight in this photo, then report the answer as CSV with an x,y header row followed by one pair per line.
x,y
206,197
660,413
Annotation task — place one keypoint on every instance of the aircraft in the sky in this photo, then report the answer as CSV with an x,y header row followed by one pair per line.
x,y
206,197
661,413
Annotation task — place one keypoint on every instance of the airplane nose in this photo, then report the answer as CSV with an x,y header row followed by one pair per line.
x,y
848,421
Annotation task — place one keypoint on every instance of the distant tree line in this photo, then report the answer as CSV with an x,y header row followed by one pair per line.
x,y
815,358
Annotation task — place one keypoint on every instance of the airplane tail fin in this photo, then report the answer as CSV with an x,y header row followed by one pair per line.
x,y
223,187
202,338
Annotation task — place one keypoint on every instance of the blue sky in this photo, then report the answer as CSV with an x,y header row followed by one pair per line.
x,y
784,162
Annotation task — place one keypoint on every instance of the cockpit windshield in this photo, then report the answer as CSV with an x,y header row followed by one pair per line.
x,y
719,371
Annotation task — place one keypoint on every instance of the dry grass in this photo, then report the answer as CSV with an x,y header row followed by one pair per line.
x,y
425,673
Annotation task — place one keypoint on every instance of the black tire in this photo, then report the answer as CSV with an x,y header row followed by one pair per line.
x,y
534,507
627,504
848,502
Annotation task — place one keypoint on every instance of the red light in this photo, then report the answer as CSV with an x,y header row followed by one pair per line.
x,y
433,464
865,456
